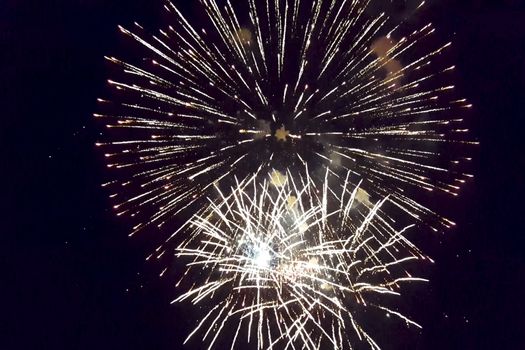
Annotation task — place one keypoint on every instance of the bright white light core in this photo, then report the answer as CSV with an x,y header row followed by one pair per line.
x,y
262,257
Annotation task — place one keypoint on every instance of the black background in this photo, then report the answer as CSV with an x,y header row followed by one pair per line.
x,y
74,280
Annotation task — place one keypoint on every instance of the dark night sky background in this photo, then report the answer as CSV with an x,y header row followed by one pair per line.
x,y
68,261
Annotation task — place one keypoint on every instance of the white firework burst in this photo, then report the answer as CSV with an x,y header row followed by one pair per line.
x,y
291,265
275,84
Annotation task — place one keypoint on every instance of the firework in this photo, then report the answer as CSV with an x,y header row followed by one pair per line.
x,y
277,85
289,266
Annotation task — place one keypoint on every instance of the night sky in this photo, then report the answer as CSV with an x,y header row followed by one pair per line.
x,y
74,280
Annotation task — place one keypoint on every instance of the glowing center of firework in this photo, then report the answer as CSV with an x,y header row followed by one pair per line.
x,y
262,257
282,134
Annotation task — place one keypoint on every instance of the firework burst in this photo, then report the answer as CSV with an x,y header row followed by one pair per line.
x,y
291,265
280,84
302,135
